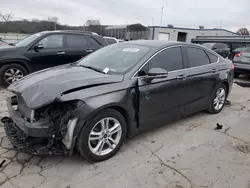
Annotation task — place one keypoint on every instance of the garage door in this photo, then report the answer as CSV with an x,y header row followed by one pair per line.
x,y
163,36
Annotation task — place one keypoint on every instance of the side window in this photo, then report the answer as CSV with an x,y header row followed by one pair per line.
x,y
169,59
197,57
92,43
76,41
52,41
110,41
213,58
143,71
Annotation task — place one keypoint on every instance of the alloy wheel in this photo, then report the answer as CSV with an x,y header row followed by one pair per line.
x,y
105,136
12,75
219,99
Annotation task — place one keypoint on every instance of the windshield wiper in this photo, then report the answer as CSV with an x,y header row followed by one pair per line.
x,y
92,68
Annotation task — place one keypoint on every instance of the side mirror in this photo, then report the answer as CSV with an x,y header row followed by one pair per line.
x,y
38,47
157,73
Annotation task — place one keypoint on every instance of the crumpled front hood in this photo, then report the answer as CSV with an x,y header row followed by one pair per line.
x,y
43,87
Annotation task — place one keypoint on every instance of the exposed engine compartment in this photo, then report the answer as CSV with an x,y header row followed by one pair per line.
x,y
41,131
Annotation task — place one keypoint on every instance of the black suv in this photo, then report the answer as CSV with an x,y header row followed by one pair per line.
x,y
45,49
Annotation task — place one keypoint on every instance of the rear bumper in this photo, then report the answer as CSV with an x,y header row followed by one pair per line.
x,y
36,129
241,68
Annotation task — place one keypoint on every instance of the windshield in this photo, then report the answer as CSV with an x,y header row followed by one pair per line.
x,y
117,58
26,41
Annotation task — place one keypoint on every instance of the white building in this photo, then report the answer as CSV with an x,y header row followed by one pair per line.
x,y
185,34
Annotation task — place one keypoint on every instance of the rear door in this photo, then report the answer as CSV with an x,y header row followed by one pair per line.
x,y
202,78
79,45
76,47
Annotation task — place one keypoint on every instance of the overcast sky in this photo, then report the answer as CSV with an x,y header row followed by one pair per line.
x,y
229,14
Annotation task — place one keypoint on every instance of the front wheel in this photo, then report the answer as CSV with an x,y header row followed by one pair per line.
x,y
10,73
102,136
218,99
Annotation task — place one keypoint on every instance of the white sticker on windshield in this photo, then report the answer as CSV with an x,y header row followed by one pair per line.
x,y
130,50
106,70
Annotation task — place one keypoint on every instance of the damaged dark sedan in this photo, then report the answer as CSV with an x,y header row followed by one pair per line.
x,y
118,91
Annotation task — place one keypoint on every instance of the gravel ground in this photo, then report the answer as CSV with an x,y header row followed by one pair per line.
x,y
186,154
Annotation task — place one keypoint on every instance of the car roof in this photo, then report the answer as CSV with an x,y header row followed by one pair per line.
x,y
109,37
155,43
69,31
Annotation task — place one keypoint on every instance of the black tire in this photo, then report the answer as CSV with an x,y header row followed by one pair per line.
x,y
236,75
7,67
211,109
82,141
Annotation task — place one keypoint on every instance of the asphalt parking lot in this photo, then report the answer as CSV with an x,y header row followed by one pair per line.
x,y
187,153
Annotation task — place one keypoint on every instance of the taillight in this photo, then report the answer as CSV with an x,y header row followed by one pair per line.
x,y
238,54
233,66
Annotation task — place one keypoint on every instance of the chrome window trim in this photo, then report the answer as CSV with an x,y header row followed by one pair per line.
x,y
175,70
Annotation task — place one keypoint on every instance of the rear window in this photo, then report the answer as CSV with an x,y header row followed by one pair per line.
x,y
92,43
213,58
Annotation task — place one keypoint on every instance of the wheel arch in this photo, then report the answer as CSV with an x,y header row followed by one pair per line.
x,y
23,63
227,85
118,108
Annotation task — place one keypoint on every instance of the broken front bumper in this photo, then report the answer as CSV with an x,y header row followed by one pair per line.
x,y
35,138
35,129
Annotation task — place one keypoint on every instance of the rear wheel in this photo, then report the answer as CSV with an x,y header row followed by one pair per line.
x,y
103,136
10,73
218,99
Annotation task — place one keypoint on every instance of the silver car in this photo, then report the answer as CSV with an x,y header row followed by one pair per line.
x,y
241,62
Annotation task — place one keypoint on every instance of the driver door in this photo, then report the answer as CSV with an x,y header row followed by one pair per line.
x,y
162,99
51,52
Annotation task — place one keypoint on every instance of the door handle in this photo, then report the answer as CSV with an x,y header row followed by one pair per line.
x,y
181,77
60,53
89,51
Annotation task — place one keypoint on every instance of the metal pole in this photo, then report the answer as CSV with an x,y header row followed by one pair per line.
x,y
161,14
